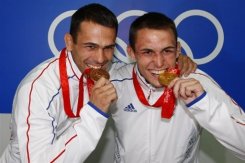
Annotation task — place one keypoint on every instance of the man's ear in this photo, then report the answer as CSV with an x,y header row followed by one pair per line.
x,y
131,53
178,52
68,41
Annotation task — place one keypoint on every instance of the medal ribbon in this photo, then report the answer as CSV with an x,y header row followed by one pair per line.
x,y
65,87
166,101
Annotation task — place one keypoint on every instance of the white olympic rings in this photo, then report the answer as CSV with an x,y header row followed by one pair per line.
x,y
124,15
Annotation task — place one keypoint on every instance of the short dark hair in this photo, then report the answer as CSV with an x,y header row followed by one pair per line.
x,y
95,13
151,20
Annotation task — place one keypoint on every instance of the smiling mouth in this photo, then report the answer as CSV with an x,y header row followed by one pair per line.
x,y
157,72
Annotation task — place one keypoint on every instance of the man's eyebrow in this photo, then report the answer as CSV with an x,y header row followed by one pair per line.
x,y
110,46
94,44
146,49
90,43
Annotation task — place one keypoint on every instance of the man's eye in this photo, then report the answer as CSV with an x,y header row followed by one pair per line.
x,y
109,48
90,47
147,53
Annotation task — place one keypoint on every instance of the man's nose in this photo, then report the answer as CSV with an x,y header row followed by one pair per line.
x,y
159,60
100,57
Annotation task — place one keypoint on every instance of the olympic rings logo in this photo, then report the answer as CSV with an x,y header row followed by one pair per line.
x,y
123,45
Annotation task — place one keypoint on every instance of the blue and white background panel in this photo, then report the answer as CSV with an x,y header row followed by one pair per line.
x,y
211,33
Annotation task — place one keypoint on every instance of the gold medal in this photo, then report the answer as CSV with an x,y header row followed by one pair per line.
x,y
96,74
166,77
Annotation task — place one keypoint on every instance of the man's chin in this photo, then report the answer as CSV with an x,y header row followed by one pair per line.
x,y
154,82
158,86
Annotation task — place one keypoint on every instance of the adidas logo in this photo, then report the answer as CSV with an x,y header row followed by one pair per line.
x,y
130,108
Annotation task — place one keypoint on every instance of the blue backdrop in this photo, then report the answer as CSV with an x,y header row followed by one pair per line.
x,y
211,32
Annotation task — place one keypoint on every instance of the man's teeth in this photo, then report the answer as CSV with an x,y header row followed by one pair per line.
x,y
157,72
94,67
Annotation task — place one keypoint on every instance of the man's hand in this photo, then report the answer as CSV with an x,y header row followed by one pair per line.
x,y
186,89
186,65
103,94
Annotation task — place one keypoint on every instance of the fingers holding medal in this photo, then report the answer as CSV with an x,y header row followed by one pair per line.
x,y
103,93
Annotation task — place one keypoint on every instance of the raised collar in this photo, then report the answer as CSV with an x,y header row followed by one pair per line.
x,y
73,69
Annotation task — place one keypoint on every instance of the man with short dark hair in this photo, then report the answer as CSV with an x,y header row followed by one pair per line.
x,y
159,115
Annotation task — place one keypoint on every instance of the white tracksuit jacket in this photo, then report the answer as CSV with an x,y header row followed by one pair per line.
x,y
143,137
41,131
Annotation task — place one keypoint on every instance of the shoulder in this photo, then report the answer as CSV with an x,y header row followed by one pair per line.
x,y
123,72
203,78
121,78
199,75
44,75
